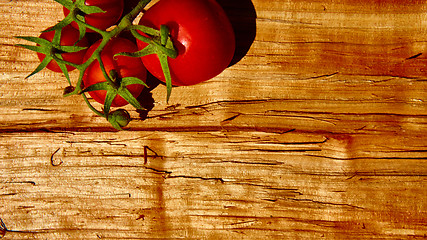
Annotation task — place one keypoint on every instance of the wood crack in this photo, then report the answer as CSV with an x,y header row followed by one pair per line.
x,y
325,203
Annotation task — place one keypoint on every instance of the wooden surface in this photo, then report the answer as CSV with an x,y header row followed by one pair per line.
x,y
318,132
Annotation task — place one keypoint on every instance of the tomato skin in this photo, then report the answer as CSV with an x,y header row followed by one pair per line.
x,y
124,66
69,37
113,11
202,35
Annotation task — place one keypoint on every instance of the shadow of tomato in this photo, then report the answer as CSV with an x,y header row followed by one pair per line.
x,y
242,16
146,97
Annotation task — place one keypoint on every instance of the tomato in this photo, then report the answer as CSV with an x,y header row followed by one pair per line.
x,y
69,37
113,11
124,66
202,35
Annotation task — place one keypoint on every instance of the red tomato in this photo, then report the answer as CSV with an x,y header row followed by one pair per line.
x,y
113,11
202,34
124,66
69,37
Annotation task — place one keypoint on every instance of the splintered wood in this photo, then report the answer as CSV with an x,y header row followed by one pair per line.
x,y
318,130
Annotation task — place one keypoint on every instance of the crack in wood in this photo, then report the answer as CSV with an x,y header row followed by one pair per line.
x,y
294,143
281,150
414,56
253,163
23,182
38,109
361,158
195,177
230,118
4,230
325,203
324,75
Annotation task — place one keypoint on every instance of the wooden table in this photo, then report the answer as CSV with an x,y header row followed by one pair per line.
x,y
317,132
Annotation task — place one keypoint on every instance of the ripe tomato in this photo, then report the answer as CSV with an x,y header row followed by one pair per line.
x,y
202,35
113,11
124,66
69,37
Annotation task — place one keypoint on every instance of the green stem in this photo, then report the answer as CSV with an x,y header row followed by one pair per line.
x,y
101,32
92,107
124,24
104,72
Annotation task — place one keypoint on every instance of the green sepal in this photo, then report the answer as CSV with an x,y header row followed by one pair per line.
x,y
64,22
124,93
63,68
165,46
66,3
168,79
144,52
96,87
109,97
81,5
126,81
88,9
147,30
41,66
40,41
70,49
38,49
82,31
164,34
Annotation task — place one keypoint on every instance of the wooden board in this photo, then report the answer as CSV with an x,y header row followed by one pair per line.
x,y
317,131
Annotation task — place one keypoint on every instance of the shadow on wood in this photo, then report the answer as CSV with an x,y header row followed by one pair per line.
x,y
242,16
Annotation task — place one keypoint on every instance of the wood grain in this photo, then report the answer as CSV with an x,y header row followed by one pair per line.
x,y
318,131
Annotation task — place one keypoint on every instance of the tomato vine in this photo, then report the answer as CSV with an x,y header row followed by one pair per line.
x,y
158,41
198,50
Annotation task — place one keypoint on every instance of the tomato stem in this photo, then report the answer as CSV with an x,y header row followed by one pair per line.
x,y
92,107
159,42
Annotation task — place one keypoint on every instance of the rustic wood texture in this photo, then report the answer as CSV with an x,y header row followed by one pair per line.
x,y
318,132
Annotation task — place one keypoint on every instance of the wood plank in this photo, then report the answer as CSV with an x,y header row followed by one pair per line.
x,y
319,131
245,184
